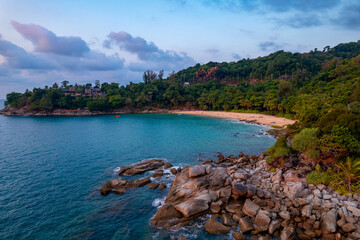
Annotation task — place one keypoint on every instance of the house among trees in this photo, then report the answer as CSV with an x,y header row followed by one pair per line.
x,y
186,84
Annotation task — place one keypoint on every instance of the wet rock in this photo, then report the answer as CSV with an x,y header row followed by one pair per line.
x,y
157,173
226,219
162,186
167,165
112,184
138,183
214,227
197,171
238,236
173,171
142,167
152,185
164,214
245,224
250,208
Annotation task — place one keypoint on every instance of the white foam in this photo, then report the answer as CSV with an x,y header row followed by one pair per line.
x,y
158,202
116,170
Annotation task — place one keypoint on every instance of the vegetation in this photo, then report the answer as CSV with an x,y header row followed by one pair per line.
x,y
320,88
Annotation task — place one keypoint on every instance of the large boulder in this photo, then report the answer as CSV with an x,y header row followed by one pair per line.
x,y
142,167
112,185
194,205
157,173
196,171
138,183
250,208
214,227
241,175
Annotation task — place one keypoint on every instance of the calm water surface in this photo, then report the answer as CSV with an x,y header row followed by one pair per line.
x,y
51,170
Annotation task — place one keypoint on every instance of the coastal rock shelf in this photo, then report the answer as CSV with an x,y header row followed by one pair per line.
x,y
120,185
242,196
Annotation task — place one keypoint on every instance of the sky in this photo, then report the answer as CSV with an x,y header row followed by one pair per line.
x,y
43,42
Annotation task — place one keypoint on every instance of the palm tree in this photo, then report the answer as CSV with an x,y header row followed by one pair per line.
x,y
350,169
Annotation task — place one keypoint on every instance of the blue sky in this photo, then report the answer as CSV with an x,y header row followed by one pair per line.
x,y
42,42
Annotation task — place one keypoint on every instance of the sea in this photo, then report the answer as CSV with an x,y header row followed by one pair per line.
x,y
52,169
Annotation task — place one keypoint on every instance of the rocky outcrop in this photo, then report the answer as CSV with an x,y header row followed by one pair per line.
x,y
142,167
239,192
120,186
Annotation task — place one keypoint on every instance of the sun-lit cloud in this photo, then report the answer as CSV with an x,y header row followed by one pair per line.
x,y
46,41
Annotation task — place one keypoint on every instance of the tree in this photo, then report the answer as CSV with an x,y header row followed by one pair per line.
x,y
64,83
161,74
350,169
149,76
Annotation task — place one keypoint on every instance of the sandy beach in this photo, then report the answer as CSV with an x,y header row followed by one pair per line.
x,y
248,117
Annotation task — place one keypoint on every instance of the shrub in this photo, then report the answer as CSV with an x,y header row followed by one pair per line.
x,y
306,139
272,169
280,149
313,154
315,177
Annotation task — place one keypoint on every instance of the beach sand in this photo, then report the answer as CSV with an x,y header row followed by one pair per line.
x,y
248,117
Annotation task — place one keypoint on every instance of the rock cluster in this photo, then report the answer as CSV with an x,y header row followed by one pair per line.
x,y
241,194
120,185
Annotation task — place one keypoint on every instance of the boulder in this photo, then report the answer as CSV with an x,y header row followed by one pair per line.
x,y
112,185
162,186
251,190
215,207
328,223
197,171
291,176
165,213
238,190
293,189
225,219
288,233
274,226
284,215
214,227
354,210
192,207
261,222
238,236
245,224
306,211
250,208
349,227
241,175
173,171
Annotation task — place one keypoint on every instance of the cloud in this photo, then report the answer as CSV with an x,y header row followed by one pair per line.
x,y
17,58
301,20
236,56
269,46
212,50
47,42
273,5
348,16
148,52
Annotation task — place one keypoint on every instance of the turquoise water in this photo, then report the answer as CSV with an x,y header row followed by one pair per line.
x,y
51,170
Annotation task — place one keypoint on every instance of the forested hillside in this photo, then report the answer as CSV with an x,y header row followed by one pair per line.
x,y
320,88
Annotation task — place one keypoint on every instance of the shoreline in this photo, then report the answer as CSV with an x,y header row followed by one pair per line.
x,y
256,118
253,118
